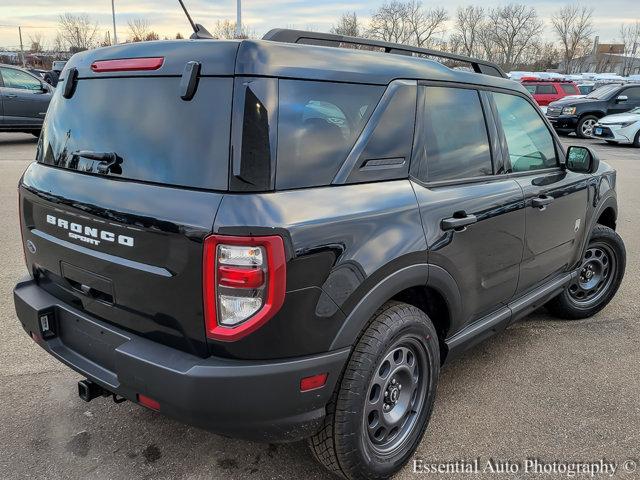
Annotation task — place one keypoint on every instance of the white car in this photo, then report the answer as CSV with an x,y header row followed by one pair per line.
x,y
620,128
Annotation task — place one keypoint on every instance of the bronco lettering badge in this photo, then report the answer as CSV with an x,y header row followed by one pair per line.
x,y
89,235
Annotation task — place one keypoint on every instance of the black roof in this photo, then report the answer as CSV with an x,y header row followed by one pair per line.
x,y
268,58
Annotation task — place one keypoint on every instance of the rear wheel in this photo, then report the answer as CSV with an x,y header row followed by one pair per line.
x,y
636,141
585,126
599,277
395,364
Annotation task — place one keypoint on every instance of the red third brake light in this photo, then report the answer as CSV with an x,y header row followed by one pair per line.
x,y
243,284
127,64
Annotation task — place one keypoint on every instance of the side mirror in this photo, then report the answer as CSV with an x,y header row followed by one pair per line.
x,y
622,99
582,160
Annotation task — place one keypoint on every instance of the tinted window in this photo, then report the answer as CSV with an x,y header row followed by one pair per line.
x,y
530,143
632,93
455,136
531,88
318,124
569,89
17,79
546,90
159,137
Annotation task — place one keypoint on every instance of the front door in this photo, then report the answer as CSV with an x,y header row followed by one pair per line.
x,y
618,105
555,198
472,212
24,98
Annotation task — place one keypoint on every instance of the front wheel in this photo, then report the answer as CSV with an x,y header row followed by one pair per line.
x,y
585,126
598,279
381,408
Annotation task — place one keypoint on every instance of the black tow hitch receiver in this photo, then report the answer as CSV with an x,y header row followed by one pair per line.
x,y
88,390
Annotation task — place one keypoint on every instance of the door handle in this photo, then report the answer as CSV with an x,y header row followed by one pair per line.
x,y
458,223
541,202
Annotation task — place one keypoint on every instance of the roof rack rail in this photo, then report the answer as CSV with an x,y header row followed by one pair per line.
x,y
331,40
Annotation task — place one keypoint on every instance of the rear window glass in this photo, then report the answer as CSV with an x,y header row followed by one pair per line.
x,y
318,124
570,89
158,137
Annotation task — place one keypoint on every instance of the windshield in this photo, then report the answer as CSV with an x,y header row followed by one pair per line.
x,y
603,92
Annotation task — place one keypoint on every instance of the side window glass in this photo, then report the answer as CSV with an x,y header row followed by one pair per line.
x,y
546,90
570,89
531,88
454,133
318,124
632,93
17,79
531,145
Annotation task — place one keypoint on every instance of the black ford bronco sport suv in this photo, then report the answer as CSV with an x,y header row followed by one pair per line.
x,y
282,239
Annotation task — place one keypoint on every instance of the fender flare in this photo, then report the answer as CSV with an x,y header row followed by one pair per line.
x,y
419,275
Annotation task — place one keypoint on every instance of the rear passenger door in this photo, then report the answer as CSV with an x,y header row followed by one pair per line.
x,y
472,212
555,198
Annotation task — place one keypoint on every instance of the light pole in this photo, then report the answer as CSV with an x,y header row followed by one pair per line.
x,y
239,19
113,15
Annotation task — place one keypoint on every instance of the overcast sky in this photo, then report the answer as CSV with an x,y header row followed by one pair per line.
x,y
167,18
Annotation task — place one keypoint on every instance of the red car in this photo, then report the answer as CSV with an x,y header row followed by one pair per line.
x,y
546,91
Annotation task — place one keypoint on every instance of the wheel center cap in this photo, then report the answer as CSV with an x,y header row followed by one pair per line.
x,y
394,393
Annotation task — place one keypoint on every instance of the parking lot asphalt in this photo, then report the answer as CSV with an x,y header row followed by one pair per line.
x,y
544,389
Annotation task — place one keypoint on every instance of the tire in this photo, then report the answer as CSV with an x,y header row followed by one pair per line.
x,y
585,125
636,140
589,294
399,341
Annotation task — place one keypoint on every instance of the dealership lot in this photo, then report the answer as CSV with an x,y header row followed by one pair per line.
x,y
566,391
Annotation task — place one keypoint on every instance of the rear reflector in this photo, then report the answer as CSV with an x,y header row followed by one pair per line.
x,y
148,402
311,383
127,64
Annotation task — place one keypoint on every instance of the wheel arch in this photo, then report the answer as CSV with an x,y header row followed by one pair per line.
x,y
424,286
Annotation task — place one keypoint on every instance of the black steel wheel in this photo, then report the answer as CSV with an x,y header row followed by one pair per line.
x,y
384,400
395,395
598,279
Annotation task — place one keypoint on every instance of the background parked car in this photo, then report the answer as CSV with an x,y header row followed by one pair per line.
x,y
546,91
620,128
580,115
24,99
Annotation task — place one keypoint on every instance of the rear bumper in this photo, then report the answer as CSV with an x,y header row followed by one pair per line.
x,y
245,399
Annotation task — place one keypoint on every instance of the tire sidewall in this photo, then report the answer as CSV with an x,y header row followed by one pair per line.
x,y
377,466
581,122
612,239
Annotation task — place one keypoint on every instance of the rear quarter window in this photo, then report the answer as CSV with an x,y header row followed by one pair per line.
x,y
318,124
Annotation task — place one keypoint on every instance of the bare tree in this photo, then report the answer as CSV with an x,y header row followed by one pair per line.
x,y
348,25
77,32
469,22
106,40
508,31
179,36
389,22
227,29
37,43
140,30
423,25
573,25
630,36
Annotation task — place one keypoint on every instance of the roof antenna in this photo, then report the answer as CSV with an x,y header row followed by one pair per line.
x,y
198,30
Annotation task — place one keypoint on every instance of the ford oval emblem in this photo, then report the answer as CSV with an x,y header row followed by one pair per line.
x,y
31,246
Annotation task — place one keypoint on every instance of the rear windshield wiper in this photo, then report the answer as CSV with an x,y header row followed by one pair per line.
x,y
109,161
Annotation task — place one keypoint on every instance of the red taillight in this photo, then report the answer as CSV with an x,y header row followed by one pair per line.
x,y
240,277
243,284
311,383
148,402
127,64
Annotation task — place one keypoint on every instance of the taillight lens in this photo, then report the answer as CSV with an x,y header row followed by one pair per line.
x,y
243,284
